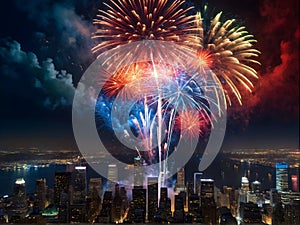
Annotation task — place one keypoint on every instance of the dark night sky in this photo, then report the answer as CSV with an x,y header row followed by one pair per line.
x,y
43,40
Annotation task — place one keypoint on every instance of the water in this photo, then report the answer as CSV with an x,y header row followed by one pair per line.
x,y
223,171
30,175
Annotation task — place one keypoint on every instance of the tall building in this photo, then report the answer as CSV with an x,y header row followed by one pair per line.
x,y
95,187
197,182
207,189
138,205
228,196
78,209
245,184
124,198
79,185
105,213
194,210
20,190
40,194
19,206
282,176
190,188
179,209
208,204
62,195
112,177
255,186
94,198
163,197
164,209
117,209
295,182
180,183
244,190
138,173
152,202
62,184
190,191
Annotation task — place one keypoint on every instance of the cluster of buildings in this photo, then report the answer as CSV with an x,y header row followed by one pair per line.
x,y
198,201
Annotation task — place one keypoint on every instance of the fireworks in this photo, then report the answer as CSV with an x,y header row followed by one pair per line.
x,y
127,21
162,99
168,99
133,76
223,47
227,50
197,124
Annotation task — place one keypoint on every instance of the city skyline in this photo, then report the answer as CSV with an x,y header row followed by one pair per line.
x,y
152,150
137,203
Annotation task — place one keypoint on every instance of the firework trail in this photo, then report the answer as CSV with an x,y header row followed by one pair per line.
x,y
155,119
227,50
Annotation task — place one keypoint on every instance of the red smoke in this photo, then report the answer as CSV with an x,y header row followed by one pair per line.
x,y
276,94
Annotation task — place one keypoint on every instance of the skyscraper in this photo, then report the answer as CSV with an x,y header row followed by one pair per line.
x,y
208,204
197,178
207,189
244,190
79,185
19,207
282,176
40,194
180,183
95,187
295,180
194,208
164,210
94,198
245,184
117,209
124,198
138,205
112,176
255,186
163,196
62,193
138,172
62,183
228,196
152,197
20,189
105,213
179,209
295,183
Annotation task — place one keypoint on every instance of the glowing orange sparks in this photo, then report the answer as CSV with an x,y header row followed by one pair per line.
x,y
190,124
205,59
134,76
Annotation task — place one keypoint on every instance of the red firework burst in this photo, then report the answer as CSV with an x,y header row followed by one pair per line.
x,y
192,125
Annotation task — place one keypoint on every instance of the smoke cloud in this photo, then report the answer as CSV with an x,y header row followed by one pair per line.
x,y
277,92
25,79
275,95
